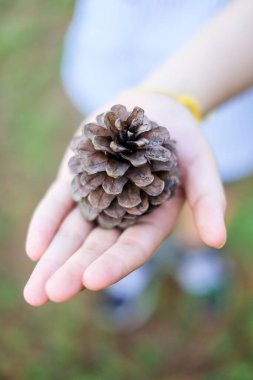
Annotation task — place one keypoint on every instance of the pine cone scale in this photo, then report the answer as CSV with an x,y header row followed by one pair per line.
x,y
113,169
130,196
92,130
115,210
140,176
90,213
114,185
141,208
157,153
155,188
137,159
99,199
95,163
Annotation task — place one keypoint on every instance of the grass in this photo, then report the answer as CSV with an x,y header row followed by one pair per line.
x,y
55,342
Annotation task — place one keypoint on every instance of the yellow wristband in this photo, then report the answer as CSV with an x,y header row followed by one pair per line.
x,y
187,100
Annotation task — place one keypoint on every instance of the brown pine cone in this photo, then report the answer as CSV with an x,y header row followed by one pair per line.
x,y
125,166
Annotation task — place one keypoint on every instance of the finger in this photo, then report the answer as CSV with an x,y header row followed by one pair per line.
x,y
67,281
47,218
206,197
134,246
67,240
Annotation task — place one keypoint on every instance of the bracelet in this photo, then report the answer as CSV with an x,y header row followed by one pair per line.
x,y
188,101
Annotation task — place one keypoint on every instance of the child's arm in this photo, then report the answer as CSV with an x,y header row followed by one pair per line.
x,y
72,254
217,63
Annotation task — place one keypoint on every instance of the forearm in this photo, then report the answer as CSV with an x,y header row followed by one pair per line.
x,y
217,63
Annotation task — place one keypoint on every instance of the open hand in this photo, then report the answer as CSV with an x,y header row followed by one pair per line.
x,y
73,254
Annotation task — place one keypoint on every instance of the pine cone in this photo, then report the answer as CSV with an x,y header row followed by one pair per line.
x,y
125,166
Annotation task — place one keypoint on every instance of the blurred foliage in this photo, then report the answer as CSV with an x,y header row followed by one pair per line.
x,y
182,341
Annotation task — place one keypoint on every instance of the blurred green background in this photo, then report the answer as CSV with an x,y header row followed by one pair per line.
x,y
57,341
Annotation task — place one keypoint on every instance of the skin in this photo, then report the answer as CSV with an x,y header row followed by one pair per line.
x,y
73,254
216,64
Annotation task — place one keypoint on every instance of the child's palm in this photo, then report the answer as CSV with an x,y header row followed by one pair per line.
x,y
74,255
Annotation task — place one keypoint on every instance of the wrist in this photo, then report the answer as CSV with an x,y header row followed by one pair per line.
x,y
186,100
158,107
